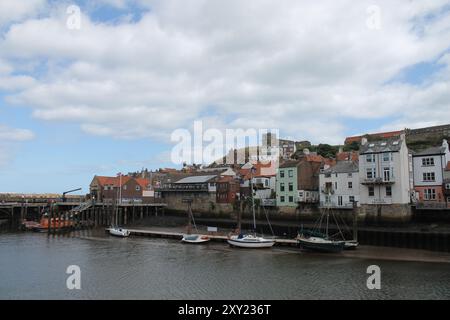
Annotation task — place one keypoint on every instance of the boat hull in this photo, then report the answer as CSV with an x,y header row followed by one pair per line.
x,y
350,245
195,239
119,233
330,246
248,244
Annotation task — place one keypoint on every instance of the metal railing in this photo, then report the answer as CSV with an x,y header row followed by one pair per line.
x,y
378,180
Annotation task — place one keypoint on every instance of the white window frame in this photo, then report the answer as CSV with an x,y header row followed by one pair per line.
x,y
428,162
368,191
373,173
390,173
429,194
370,158
388,195
429,177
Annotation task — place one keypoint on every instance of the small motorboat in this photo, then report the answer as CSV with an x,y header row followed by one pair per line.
x,y
250,241
119,232
320,244
195,238
350,245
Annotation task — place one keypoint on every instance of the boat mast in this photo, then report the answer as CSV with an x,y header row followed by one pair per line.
x,y
189,218
253,199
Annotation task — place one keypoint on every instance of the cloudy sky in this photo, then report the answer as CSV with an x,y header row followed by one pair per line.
x,y
103,93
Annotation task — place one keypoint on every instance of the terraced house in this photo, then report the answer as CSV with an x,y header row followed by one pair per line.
x,y
385,169
298,181
339,186
429,176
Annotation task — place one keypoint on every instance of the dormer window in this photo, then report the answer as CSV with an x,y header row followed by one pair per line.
x,y
138,188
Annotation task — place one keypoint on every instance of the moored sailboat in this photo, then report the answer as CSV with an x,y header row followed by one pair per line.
x,y
316,241
250,240
119,232
193,238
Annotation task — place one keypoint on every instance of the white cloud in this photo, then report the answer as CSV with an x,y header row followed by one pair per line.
x,y
13,134
307,69
9,140
12,11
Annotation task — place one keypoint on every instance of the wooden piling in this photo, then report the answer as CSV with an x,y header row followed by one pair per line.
x,y
59,221
49,219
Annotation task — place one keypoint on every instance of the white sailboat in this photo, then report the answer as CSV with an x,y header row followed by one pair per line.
x,y
116,230
193,238
119,232
250,240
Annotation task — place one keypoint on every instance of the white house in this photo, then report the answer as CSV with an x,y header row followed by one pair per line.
x,y
385,171
339,185
429,168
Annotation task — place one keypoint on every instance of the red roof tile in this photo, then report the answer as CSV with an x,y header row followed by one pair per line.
x,y
262,170
142,182
114,181
345,156
382,135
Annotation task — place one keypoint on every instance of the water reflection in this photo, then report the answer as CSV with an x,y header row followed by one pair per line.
x,y
33,267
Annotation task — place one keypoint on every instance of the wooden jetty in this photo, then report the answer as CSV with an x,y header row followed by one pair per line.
x,y
179,236
79,214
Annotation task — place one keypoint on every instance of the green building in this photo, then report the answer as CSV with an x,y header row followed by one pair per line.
x,y
287,184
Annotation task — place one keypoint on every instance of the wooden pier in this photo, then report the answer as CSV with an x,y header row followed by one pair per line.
x,y
179,236
77,214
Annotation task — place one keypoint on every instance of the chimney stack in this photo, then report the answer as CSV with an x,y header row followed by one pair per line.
x,y
364,141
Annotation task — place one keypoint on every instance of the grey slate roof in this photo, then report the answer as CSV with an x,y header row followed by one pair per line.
x,y
343,167
430,151
389,145
196,179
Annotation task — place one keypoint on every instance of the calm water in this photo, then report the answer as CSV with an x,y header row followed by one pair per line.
x,y
33,267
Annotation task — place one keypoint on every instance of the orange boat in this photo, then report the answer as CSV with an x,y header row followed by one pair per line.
x,y
56,224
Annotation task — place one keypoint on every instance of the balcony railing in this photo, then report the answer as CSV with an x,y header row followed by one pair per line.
x,y
184,187
369,181
327,190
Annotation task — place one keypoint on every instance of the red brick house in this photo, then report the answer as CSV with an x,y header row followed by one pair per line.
x,y
107,189
227,189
